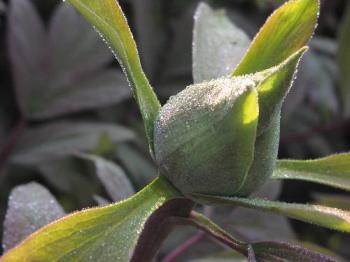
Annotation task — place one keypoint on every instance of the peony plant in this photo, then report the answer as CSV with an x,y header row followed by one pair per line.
x,y
215,142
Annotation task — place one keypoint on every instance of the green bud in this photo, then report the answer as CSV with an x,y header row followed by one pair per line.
x,y
221,137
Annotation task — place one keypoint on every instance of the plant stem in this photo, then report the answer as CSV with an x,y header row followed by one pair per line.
x,y
12,140
207,226
172,256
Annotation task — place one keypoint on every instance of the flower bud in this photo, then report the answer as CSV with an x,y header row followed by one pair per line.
x,y
221,137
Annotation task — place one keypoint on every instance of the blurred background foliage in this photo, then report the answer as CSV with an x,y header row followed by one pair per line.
x,y
63,97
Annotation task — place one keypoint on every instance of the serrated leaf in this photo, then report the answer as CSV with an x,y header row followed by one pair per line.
x,y
287,30
332,170
328,217
218,44
110,233
343,61
51,79
63,138
30,207
112,177
108,18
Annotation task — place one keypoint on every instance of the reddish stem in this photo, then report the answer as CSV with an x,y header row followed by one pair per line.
x,y
172,256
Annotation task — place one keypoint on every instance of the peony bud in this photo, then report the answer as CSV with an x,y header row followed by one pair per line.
x,y
221,137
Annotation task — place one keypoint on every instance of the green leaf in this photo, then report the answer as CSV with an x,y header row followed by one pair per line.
x,y
287,30
332,170
275,86
108,19
218,44
30,207
328,217
344,61
110,233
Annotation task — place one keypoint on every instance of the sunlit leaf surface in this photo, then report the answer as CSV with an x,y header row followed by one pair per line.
x,y
108,19
287,30
109,233
333,170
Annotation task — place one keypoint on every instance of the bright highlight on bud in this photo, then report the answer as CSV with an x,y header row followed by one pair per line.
x,y
221,137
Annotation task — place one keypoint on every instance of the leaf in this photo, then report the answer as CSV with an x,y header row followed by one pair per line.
x,y
108,18
343,61
288,252
112,178
328,217
273,85
332,170
30,207
149,21
264,251
315,85
51,79
86,52
111,233
101,201
83,92
287,30
218,44
320,85
63,138
253,225
72,176
141,173
26,48
251,254
177,62
333,200
227,256
2,7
